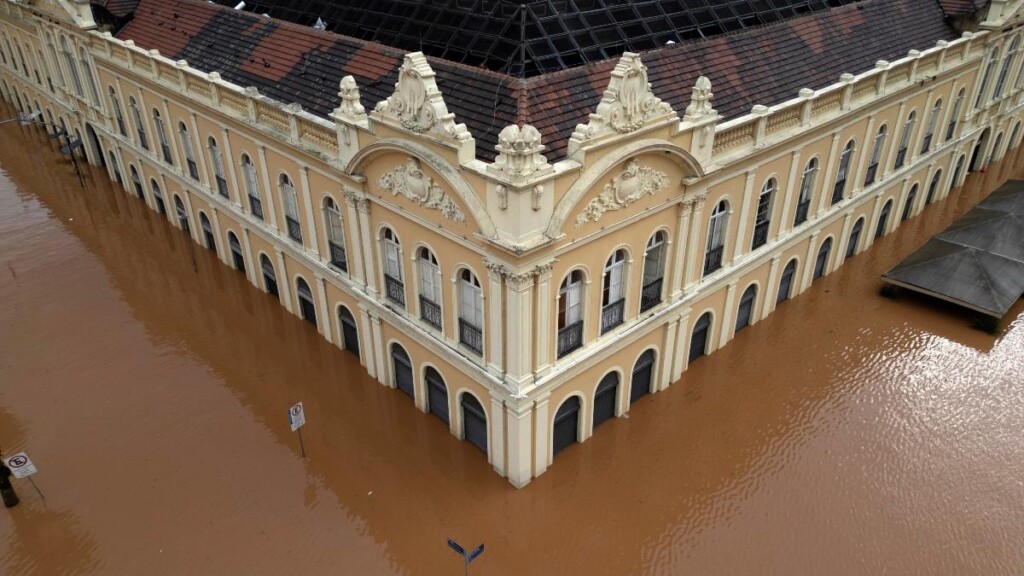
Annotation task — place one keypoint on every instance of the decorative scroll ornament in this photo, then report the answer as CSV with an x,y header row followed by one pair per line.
x,y
410,181
628,103
519,153
700,101
626,188
416,103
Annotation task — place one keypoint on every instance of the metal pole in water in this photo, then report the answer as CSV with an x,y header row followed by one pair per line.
x,y
301,445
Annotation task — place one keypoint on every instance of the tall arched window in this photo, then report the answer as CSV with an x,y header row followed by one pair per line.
x,y
745,310
762,220
908,207
933,187
933,118
613,300
252,187
953,118
1004,72
654,271
394,289
883,219
908,133
876,155
136,181
190,153
803,204
115,105
307,308
158,198
69,60
291,207
471,312
844,170
570,313
140,126
716,238
335,235
161,134
430,287
986,77
54,60
218,166
94,94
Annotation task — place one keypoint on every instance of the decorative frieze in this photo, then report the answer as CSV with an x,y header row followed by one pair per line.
x,y
409,181
632,184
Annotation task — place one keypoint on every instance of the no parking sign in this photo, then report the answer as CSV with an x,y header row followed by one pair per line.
x,y
21,466
296,417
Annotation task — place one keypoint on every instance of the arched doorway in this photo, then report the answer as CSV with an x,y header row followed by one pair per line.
x,y
994,155
306,307
745,312
567,425
115,168
237,256
933,188
605,398
437,394
158,198
474,422
977,157
136,181
908,206
786,282
209,239
349,334
95,149
957,173
179,207
822,262
699,337
851,245
269,277
402,366
643,373
883,219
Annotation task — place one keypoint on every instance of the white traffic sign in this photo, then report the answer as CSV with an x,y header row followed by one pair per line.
x,y
296,417
21,466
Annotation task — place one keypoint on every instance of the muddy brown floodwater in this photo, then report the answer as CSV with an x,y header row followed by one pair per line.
x,y
845,434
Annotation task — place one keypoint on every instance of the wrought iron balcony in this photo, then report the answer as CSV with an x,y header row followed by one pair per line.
x,y
611,315
294,229
120,126
837,192
142,140
430,312
760,235
801,212
869,178
339,259
713,259
394,289
570,338
901,157
256,207
650,296
222,186
471,337
193,170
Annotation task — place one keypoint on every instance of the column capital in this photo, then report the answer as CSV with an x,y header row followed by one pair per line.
x,y
495,270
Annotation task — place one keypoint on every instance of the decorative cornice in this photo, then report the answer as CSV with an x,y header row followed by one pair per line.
x,y
632,184
410,181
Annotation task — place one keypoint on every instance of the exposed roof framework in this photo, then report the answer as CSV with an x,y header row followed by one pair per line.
x,y
534,37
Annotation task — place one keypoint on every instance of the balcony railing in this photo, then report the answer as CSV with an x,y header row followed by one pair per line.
x,y
713,259
570,338
222,186
294,229
837,192
760,235
339,259
901,156
120,126
611,315
256,207
193,169
650,296
394,289
430,312
471,336
869,178
801,212
142,140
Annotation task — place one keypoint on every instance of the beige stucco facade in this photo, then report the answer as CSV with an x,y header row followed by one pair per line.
x,y
408,191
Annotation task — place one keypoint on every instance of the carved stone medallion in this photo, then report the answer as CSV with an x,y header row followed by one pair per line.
x,y
632,184
410,181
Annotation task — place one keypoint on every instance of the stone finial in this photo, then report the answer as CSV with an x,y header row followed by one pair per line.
x,y
417,104
700,101
805,93
350,108
628,103
519,153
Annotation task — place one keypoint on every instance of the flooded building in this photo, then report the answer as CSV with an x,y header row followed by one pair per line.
x,y
548,212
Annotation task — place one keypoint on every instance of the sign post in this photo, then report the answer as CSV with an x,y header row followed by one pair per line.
x,y
22,467
467,557
297,418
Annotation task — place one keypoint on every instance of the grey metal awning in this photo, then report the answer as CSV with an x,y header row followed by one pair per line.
x,y
978,261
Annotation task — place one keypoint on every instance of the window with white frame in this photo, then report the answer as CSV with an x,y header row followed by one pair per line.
x,y
430,287
161,134
762,220
394,289
845,159
335,235
933,118
954,117
613,291
654,271
908,133
570,313
218,166
69,60
1004,72
471,311
291,207
876,155
252,187
94,94
190,153
115,105
983,88
716,238
803,204
140,126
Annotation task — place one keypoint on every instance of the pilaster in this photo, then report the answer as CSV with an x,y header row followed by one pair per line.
x,y
828,178
221,245
229,160
314,241
792,185
867,148
668,352
694,267
268,196
367,347
728,315
542,448
741,233
378,346
682,353
252,271
284,282
872,225
681,243
543,325
520,446
770,290
842,243
326,316
805,278
355,236
496,443
495,342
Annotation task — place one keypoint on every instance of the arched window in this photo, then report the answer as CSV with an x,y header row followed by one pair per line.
x,y
883,219
54,59
570,313
335,235
136,181
269,276
995,154
613,300
161,134
158,198
291,207
190,153
876,155
209,238
762,220
851,245
908,133
986,77
307,309
349,332
179,207
700,336
933,187
957,172
844,170
218,166
1004,72
933,118
471,312
115,105
394,288
430,287
237,255
94,94
716,238
69,60
803,204
821,264
654,271
908,207
745,310
954,117
252,187
140,126
786,282
605,399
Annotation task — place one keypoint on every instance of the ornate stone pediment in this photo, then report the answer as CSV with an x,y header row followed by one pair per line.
x,y
410,181
632,184
416,103
628,103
